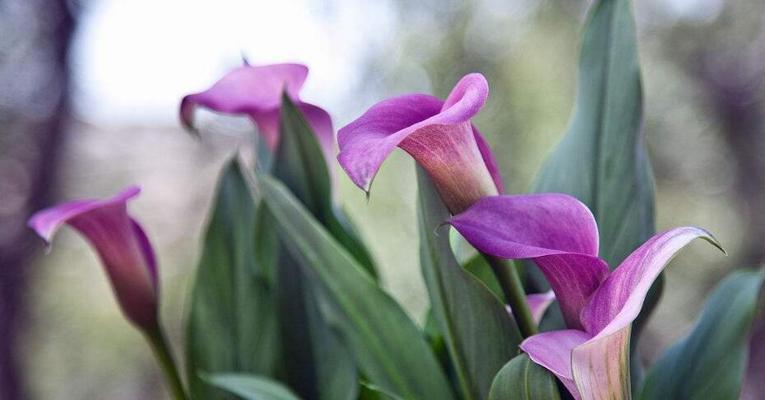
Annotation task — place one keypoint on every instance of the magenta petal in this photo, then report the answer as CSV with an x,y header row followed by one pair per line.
x,y
247,90
539,303
46,222
529,226
557,231
268,126
257,93
438,135
620,298
148,252
573,277
366,142
553,350
121,244
489,160
601,365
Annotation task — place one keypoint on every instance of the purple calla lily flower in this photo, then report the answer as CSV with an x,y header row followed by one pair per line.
x,y
559,233
121,244
437,134
256,91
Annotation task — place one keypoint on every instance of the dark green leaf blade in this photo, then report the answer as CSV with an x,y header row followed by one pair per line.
x,y
252,387
522,379
386,344
480,334
300,164
317,364
232,322
710,362
602,158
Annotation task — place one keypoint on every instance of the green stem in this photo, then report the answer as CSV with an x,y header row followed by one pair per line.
x,y
164,357
511,285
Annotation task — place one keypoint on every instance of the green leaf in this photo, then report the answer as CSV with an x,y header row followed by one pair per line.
x,y
380,392
300,164
522,379
251,387
602,158
386,344
480,269
479,332
710,362
232,323
317,364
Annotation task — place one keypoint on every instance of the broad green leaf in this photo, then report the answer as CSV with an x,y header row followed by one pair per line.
x,y
479,332
232,323
602,158
522,379
478,266
252,387
386,344
317,365
710,362
379,392
300,164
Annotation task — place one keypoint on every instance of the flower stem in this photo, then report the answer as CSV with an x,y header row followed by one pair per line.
x,y
511,286
164,357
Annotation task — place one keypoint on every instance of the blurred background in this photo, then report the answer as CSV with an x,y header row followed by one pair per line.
x,y
89,92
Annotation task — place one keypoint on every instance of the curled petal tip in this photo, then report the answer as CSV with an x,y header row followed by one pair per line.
x,y
709,237
187,115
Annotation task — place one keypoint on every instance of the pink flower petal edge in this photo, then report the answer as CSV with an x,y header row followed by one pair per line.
x,y
256,91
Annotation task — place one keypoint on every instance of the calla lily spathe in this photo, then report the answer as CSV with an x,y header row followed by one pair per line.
x,y
559,233
256,91
122,245
437,134
538,304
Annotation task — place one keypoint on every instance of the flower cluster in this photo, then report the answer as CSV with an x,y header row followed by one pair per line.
x,y
286,302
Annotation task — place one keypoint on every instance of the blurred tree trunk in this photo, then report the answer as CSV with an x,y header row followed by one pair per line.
x,y
35,38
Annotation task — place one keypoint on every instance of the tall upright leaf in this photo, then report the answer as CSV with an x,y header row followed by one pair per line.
x,y
479,332
602,158
710,363
232,320
317,365
386,344
300,164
